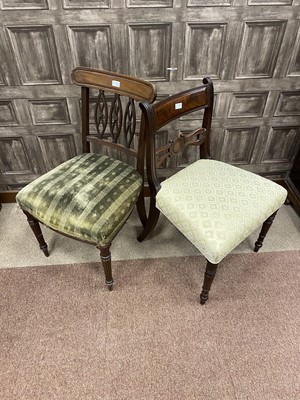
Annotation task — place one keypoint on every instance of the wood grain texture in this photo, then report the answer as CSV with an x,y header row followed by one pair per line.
x,y
251,49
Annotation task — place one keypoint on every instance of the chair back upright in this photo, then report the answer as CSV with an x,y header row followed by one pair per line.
x,y
113,97
155,116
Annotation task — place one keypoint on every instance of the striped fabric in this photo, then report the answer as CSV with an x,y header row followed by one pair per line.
x,y
88,197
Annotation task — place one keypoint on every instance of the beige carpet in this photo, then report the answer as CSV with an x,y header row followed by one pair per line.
x,y
64,336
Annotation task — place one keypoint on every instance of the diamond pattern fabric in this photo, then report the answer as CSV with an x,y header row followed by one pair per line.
x,y
88,197
216,205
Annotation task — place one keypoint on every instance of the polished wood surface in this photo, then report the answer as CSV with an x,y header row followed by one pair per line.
x,y
129,86
293,183
162,113
115,129
264,230
157,116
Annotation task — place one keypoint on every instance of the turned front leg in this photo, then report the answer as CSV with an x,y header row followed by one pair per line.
x,y
209,276
36,229
106,263
264,230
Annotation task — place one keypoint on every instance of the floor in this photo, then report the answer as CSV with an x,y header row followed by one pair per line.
x,y
64,336
18,247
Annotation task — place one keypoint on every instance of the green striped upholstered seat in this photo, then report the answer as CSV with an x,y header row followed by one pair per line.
x,y
88,197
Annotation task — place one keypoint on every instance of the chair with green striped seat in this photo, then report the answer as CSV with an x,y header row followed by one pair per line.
x,y
90,196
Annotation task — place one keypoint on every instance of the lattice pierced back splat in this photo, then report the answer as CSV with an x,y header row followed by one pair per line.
x,y
114,120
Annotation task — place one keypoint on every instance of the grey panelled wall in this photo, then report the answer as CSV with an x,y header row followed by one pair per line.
x,y
251,48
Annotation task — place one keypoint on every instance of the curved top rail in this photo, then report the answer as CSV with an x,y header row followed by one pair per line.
x,y
125,85
174,107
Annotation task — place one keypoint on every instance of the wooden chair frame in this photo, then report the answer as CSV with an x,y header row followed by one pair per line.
x,y
115,130
134,89
158,115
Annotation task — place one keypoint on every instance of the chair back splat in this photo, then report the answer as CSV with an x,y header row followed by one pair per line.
x,y
155,116
114,111
214,204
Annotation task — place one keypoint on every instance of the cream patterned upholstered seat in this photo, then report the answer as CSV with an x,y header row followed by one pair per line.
x,y
215,205
90,196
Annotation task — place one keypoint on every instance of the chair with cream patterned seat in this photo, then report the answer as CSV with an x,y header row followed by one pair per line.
x,y
90,196
214,204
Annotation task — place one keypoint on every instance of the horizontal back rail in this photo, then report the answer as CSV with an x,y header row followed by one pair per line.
x,y
181,104
114,82
114,109
155,116
117,146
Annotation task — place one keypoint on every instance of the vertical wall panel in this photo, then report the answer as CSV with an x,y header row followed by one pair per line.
x,y
56,149
91,46
149,47
280,145
294,67
34,49
239,145
260,46
203,50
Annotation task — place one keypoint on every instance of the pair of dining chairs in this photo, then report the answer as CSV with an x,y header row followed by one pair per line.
x,y
91,196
